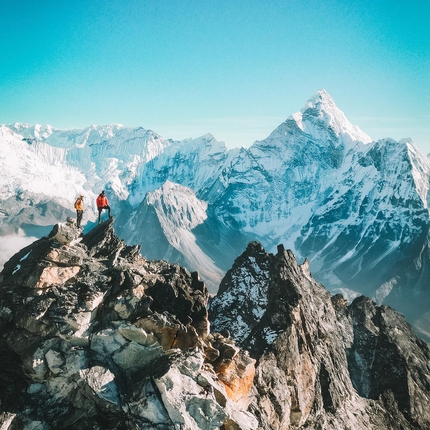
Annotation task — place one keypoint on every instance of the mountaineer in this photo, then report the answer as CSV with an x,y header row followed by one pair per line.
x,y
102,203
79,206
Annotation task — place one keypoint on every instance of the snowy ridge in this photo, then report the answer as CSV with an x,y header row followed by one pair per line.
x,y
28,170
420,170
194,163
104,155
65,139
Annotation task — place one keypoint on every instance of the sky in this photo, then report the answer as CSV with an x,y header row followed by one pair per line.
x,y
236,69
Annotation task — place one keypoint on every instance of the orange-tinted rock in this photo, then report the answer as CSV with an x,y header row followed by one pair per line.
x,y
238,376
164,334
170,335
55,275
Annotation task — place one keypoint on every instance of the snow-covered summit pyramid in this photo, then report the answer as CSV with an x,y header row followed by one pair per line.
x,y
321,111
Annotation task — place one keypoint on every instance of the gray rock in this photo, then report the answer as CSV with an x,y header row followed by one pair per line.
x,y
321,364
92,335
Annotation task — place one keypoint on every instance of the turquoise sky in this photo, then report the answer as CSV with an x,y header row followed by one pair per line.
x,y
236,69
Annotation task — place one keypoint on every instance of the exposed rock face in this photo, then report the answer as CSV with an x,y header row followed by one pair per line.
x,y
320,363
386,356
93,336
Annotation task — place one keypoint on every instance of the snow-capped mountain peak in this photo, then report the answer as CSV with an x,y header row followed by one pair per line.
x,y
322,101
320,111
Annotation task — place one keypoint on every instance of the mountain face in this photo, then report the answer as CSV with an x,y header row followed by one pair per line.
x,y
356,209
167,217
320,363
93,335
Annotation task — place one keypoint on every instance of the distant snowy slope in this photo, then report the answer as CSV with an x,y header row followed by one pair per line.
x,y
25,170
108,154
164,222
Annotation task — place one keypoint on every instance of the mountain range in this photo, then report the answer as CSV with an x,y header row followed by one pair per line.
x,y
356,209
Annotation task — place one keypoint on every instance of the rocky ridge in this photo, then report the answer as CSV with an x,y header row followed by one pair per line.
x,y
320,364
94,336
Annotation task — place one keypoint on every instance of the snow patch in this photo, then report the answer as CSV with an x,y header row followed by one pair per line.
x,y
384,291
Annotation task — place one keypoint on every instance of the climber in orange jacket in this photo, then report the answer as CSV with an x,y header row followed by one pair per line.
x,y
103,203
79,206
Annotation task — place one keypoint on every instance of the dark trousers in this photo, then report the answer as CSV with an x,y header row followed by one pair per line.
x,y
79,217
100,211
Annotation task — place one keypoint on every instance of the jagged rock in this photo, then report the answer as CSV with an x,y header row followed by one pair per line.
x,y
237,376
93,336
387,357
320,363
65,233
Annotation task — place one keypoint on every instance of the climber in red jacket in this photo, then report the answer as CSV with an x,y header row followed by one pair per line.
x,y
102,203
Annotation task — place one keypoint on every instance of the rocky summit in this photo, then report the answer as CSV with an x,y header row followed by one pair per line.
x,y
94,336
320,364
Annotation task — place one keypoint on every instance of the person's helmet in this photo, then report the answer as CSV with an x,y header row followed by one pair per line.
x,y
103,191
